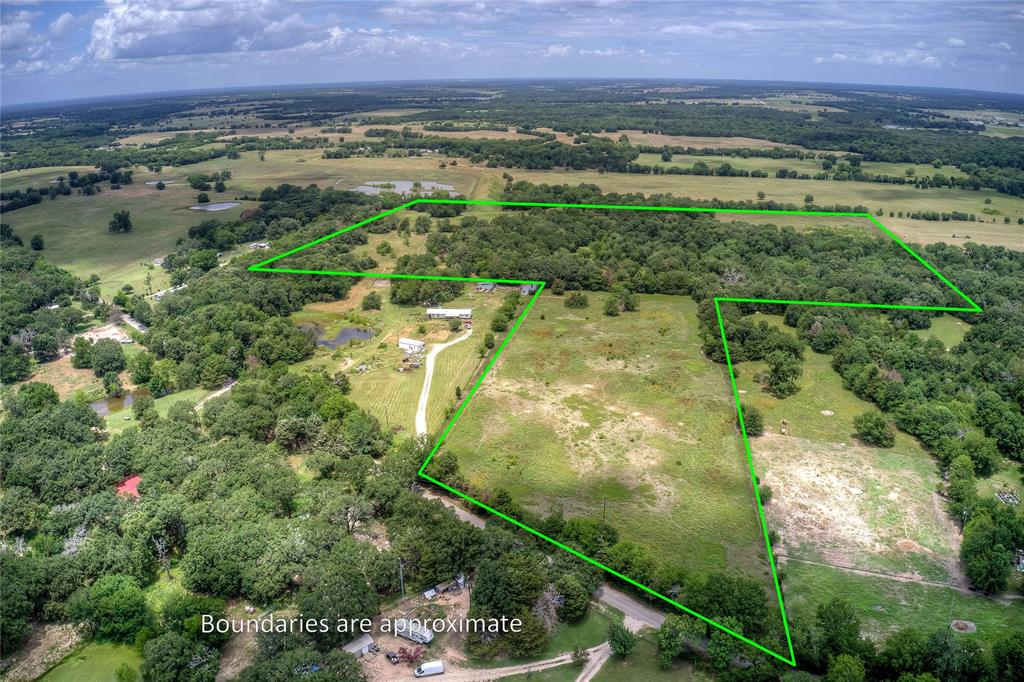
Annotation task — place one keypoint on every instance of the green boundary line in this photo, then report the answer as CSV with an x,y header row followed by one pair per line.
x,y
791,659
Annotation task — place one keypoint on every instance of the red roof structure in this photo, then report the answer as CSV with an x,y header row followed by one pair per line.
x,y
129,486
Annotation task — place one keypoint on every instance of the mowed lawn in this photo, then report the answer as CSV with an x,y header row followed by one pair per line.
x,y
585,411
885,606
76,236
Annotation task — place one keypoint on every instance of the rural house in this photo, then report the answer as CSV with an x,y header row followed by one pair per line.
x,y
449,313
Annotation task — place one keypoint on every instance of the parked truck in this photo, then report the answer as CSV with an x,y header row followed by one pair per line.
x,y
413,630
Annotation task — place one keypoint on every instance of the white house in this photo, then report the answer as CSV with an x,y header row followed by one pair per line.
x,y
411,345
450,313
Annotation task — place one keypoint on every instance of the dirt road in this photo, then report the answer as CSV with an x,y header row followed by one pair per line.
x,y
598,657
219,392
496,673
459,511
421,411
901,578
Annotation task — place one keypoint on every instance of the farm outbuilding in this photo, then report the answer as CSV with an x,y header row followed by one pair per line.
x,y
360,647
411,345
527,289
486,286
450,313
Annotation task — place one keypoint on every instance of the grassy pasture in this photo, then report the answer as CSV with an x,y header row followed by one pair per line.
x,y
303,167
871,194
947,329
94,662
885,606
37,177
584,410
75,231
809,166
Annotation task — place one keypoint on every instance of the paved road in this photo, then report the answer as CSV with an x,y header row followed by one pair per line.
x,y
642,614
463,515
421,411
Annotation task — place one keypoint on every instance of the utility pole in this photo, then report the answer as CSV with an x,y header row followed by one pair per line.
x,y
401,576
387,424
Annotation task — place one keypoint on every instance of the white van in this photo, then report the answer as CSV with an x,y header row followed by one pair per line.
x,y
429,669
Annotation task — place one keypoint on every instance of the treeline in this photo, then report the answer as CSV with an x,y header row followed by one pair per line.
x,y
828,642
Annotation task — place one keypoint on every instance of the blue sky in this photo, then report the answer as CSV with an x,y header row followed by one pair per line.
x,y
62,50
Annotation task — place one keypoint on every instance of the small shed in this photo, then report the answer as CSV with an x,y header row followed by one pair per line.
x,y
360,647
527,289
411,345
486,286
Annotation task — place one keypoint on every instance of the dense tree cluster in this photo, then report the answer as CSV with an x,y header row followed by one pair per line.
x,y
37,318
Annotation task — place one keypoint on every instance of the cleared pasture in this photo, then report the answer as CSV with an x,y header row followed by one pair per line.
x,y
619,418
76,236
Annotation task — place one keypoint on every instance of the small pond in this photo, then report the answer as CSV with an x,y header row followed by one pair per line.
x,y
219,206
344,335
374,187
108,406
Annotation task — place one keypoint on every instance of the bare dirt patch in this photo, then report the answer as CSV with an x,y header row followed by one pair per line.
x,y
856,507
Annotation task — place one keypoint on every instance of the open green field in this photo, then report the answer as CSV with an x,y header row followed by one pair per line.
x,y
839,503
303,167
379,387
808,166
38,177
585,410
874,195
95,662
885,606
947,329
75,231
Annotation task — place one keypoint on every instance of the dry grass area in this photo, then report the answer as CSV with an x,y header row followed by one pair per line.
x,y
857,507
46,646
65,379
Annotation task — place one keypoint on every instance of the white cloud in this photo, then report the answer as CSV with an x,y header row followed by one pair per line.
x,y
955,42
835,57
1001,46
557,51
61,24
907,57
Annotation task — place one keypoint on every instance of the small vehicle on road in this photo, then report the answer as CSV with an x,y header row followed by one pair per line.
x,y
429,669
392,657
